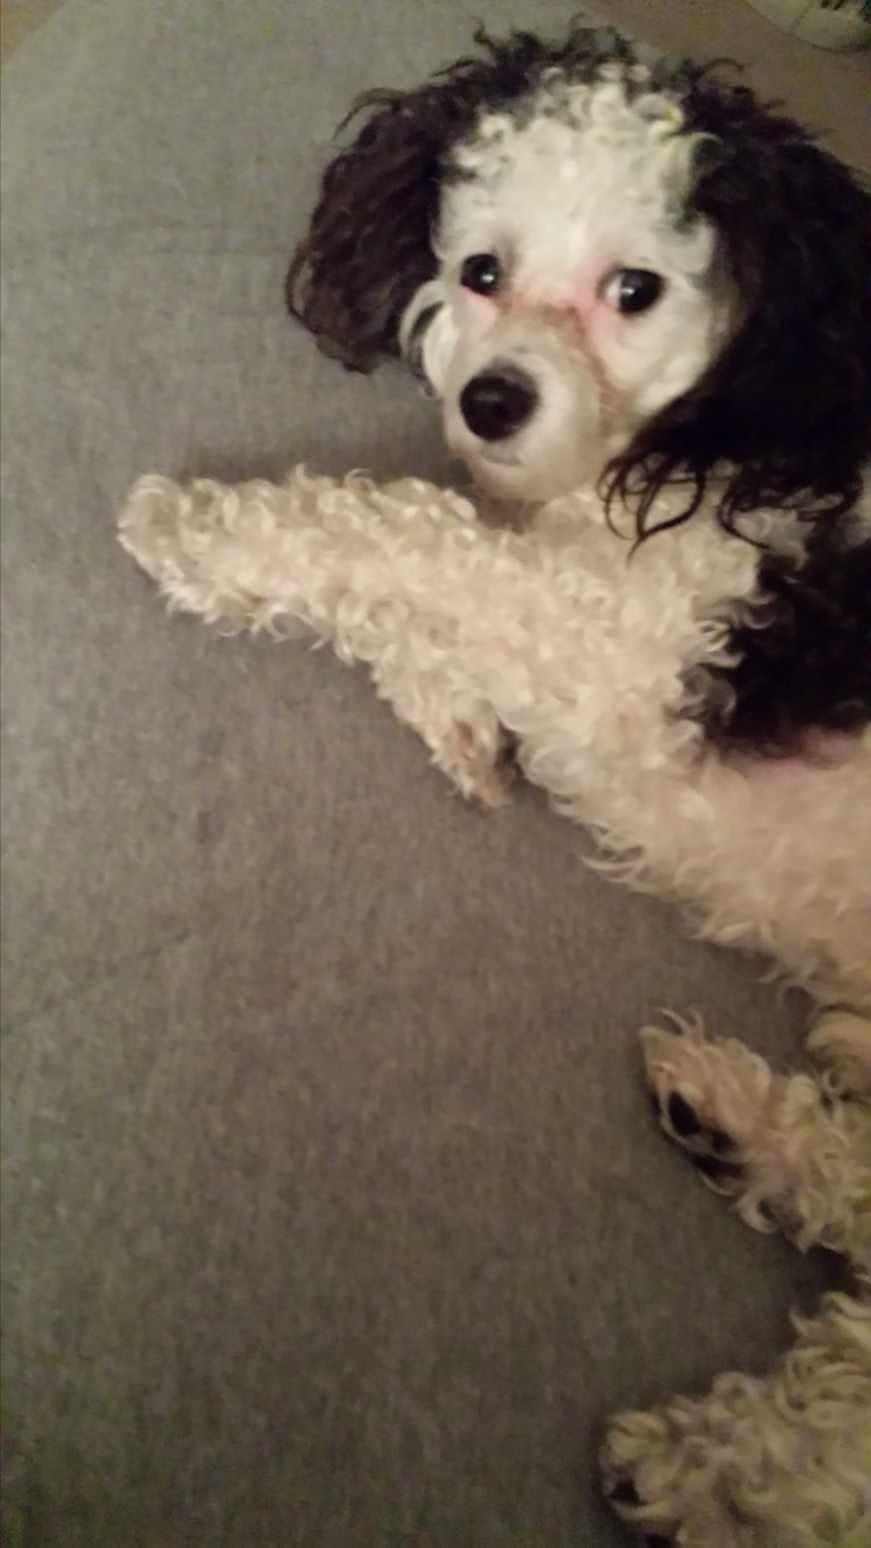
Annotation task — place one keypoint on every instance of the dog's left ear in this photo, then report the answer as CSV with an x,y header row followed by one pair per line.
x,y
788,404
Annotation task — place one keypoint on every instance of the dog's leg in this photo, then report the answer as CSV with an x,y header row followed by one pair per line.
x,y
332,557
787,1148
780,1461
786,1458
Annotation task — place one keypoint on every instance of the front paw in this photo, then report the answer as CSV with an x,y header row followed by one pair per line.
x,y
632,1447
479,760
149,524
710,1097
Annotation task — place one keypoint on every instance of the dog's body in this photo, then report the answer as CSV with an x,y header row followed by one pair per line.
x,y
554,637
583,258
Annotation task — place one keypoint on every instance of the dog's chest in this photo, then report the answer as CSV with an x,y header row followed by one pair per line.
x,y
567,614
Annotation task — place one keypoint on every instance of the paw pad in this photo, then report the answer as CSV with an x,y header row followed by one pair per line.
x,y
625,1493
681,1116
708,1147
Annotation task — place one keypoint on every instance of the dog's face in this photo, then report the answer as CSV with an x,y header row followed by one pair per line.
x,y
597,266
574,298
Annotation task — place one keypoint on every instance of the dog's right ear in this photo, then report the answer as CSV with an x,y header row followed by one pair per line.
x,y
369,247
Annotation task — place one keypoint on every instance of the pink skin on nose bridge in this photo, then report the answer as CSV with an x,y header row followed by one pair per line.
x,y
579,313
575,300
585,321
573,307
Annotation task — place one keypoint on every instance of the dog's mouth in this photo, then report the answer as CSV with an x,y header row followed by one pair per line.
x,y
503,474
500,457
528,422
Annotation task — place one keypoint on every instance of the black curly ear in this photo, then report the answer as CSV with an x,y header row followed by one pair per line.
x,y
369,245
788,404
368,248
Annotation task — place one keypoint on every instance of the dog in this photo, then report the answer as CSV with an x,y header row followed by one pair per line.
x,y
643,301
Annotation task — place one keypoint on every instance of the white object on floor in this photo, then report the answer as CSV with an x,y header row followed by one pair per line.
x,y
818,23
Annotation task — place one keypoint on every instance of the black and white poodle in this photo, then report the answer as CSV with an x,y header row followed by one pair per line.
x,y
643,300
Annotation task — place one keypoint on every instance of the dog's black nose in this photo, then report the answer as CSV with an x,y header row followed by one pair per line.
x,y
497,403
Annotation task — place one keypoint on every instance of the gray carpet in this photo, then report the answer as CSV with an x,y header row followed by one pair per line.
x,y
334,1211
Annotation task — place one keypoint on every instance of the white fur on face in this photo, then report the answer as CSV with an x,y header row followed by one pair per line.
x,y
585,182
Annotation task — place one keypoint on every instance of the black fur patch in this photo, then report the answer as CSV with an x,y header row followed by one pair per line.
x,y
788,403
802,653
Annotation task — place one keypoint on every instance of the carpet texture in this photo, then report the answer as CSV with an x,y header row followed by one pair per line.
x,y
334,1211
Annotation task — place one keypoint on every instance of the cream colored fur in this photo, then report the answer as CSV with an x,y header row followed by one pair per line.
x,y
781,1460
556,636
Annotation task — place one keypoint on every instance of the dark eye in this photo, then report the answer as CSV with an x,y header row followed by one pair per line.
x,y
633,290
481,273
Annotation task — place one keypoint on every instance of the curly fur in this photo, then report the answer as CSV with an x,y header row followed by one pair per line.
x,y
788,403
781,1460
799,649
549,635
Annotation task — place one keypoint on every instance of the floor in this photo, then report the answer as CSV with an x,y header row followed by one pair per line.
x,y
832,92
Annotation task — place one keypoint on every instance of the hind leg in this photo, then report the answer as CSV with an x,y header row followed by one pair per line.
x,y
781,1459
318,554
